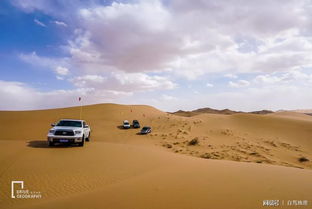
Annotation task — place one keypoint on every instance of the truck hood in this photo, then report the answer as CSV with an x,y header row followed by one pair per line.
x,y
67,128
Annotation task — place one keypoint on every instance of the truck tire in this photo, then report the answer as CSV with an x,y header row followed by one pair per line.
x,y
50,144
88,138
80,144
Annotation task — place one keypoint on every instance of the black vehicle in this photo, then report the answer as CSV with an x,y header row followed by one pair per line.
x,y
135,124
146,130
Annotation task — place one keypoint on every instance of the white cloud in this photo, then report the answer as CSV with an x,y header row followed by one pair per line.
x,y
137,36
239,84
30,6
185,38
62,71
56,65
126,82
267,79
230,75
209,85
39,23
149,36
20,96
167,98
246,99
279,97
144,81
60,23
120,47
295,77
57,8
59,77
44,62
88,80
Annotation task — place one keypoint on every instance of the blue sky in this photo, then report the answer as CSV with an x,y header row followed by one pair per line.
x,y
173,54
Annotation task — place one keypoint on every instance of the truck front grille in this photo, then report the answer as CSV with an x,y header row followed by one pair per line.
x,y
64,133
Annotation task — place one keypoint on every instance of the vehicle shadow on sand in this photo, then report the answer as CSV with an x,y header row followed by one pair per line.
x,y
44,144
121,127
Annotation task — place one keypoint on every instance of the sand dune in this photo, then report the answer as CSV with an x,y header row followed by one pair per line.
x,y
302,110
293,115
215,111
204,110
120,169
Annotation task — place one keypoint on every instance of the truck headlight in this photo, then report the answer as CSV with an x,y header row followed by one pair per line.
x,y
77,132
51,131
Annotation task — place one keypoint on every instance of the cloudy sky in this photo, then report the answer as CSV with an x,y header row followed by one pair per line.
x,y
171,54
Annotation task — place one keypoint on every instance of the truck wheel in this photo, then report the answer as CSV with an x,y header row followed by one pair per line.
x,y
80,144
50,144
88,138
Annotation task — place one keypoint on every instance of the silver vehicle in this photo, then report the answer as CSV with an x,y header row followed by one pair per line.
x,y
69,131
126,124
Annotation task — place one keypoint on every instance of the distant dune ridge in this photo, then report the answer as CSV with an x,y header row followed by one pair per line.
x,y
204,110
186,162
215,111
299,111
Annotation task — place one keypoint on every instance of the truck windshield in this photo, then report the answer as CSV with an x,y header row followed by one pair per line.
x,y
69,123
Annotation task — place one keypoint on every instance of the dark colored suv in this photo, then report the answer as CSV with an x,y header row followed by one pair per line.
x,y
135,124
146,130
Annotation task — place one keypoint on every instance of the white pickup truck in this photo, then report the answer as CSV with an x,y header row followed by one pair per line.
x,y
69,131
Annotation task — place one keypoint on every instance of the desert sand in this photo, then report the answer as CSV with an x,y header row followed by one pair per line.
x,y
203,161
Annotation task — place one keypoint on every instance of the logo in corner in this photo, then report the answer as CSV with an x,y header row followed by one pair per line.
x,y
23,193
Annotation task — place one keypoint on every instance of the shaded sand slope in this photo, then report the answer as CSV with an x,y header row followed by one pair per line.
x,y
108,175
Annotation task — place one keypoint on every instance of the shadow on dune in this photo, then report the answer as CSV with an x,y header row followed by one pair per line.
x,y
121,127
44,144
